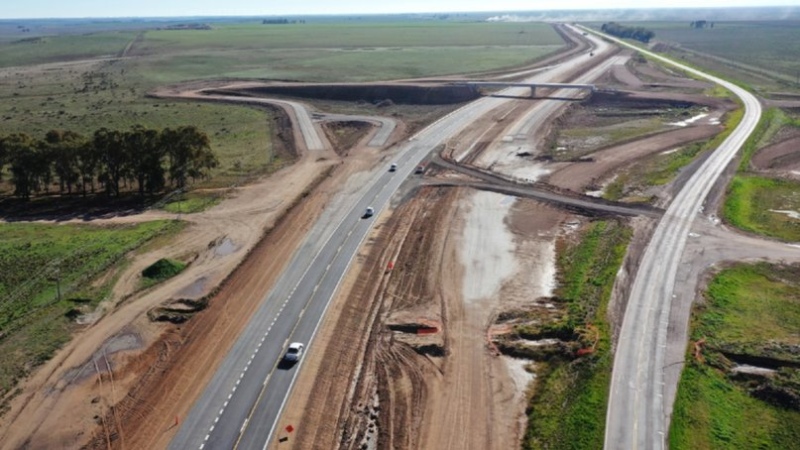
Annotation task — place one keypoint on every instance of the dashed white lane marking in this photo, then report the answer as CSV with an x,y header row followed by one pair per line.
x,y
263,338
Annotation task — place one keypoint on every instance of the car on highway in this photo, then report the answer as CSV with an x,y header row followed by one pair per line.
x,y
369,212
393,167
294,352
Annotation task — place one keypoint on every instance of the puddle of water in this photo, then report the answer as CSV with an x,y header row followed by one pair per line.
x,y
599,193
745,368
518,373
487,250
688,122
225,248
792,214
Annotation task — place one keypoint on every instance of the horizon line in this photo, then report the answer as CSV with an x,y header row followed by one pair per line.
x,y
299,15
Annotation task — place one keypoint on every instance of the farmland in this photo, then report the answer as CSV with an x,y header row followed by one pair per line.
x,y
765,55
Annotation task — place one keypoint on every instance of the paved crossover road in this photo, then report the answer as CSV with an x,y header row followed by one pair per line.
x,y
636,415
242,403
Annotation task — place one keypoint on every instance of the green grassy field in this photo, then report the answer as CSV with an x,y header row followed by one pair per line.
x,y
568,406
341,52
33,322
752,203
747,307
45,49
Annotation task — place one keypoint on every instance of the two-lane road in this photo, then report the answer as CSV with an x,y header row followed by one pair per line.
x,y
637,417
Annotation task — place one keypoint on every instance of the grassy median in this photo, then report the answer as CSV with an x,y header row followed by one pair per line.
x,y
568,406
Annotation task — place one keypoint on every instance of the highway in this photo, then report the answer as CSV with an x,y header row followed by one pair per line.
x,y
636,417
242,403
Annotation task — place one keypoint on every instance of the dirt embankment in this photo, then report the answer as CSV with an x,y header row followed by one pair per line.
x,y
782,158
413,94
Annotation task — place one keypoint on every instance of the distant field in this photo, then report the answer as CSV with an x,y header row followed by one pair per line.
x,y
771,47
84,96
335,52
43,49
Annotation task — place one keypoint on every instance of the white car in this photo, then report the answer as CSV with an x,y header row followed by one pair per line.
x,y
369,212
294,352
393,167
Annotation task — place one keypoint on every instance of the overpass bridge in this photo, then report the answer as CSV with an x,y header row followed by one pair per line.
x,y
507,84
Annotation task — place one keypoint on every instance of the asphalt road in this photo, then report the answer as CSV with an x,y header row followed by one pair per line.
x,y
310,134
636,417
242,403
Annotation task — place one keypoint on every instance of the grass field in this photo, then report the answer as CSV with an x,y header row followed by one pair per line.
x,y
766,54
753,203
45,49
568,406
747,306
33,321
87,97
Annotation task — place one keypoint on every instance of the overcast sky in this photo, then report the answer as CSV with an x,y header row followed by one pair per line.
x,y
164,8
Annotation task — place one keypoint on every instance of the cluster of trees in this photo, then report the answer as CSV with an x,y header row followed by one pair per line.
x,y
141,157
701,24
621,31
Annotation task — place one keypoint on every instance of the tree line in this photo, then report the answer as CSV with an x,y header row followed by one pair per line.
x,y
621,31
112,160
